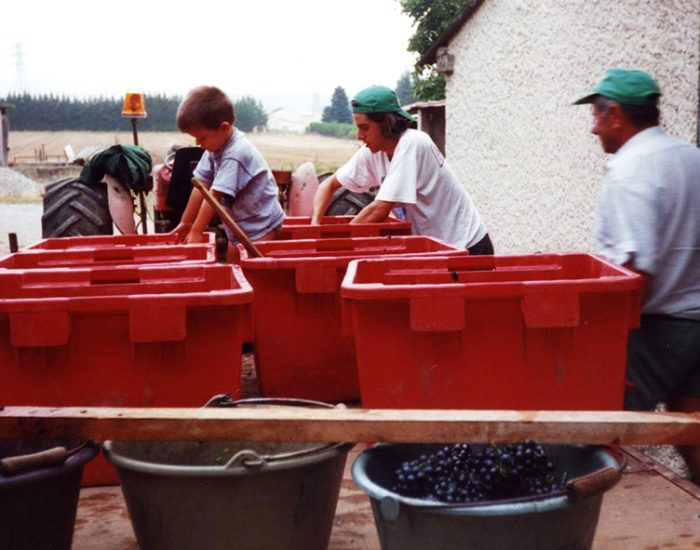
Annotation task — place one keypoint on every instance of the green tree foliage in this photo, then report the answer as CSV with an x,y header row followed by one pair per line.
x,y
339,109
250,114
428,84
50,112
404,89
431,18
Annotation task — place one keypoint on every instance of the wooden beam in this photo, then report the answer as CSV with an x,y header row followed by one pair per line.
x,y
273,423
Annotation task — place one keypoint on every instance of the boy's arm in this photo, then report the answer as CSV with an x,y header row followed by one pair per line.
x,y
204,216
188,216
322,198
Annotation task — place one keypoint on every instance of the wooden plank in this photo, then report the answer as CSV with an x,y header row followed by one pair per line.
x,y
273,423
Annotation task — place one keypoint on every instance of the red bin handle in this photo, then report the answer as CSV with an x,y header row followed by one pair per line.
x,y
437,314
316,280
551,310
39,328
158,322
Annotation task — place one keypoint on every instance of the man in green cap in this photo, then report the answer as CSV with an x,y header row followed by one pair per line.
x,y
410,172
648,220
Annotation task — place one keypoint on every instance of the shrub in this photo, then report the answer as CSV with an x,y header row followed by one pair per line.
x,y
335,129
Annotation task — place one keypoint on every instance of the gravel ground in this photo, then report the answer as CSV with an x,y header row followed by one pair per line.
x,y
666,455
15,184
24,219
20,209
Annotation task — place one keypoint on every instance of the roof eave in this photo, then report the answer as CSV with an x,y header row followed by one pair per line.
x,y
430,55
436,103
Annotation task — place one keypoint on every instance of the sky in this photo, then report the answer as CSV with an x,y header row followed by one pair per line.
x,y
289,54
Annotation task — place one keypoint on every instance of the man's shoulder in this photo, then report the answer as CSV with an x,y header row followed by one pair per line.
x,y
652,143
648,154
418,143
655,140
414,137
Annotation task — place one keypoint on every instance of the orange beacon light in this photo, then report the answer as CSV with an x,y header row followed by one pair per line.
x,y
134,108
134,105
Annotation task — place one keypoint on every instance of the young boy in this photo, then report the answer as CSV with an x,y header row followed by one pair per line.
x,y
231,167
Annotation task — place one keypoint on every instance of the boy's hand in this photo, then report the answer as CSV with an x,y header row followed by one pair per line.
x,y
181,231
195,237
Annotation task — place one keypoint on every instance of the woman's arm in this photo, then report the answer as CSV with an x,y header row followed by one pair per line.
x,y
376,211
322,198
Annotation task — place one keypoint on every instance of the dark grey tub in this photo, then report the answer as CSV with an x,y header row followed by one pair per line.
x,y
565,521
228,494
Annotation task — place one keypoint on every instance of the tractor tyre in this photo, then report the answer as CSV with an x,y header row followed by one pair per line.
x,y
346,203
72,208
324,175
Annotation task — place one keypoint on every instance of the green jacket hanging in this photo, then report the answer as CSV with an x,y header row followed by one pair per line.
x,y
130,164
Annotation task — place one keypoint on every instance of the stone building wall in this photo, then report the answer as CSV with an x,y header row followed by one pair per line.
x,y
524,152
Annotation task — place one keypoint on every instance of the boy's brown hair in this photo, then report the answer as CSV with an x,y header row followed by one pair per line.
x,y
205,106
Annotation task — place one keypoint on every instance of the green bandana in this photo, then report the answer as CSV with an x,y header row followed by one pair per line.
x,y
378,99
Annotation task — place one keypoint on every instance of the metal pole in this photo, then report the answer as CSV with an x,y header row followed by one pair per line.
x,y
143,212
134,125
12,238
4,137
142,198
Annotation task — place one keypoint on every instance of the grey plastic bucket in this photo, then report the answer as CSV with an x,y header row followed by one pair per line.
x,y
562,521
227,494
39,500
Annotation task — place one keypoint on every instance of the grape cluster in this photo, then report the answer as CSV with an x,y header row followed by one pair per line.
x,y
462,474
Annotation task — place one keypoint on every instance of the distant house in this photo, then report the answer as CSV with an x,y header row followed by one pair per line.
x,y
513,70
290,120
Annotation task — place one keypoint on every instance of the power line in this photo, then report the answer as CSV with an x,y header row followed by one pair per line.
x,y
19,68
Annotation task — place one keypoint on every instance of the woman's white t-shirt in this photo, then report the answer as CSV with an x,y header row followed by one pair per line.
x,y
419,178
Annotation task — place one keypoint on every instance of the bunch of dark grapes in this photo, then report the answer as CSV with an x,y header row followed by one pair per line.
x,y
460,474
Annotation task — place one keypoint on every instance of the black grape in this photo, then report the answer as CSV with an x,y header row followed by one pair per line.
x,y
461,474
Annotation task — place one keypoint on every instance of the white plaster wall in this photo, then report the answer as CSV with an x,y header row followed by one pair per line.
x,y
523,151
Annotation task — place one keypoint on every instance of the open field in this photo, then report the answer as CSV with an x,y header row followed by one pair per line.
x,y
22,214
283,151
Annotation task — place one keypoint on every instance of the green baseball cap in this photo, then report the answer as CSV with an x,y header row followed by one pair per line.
x,y
623,86
378,99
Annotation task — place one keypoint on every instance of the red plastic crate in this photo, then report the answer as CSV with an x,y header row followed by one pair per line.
x,y
112,241
137,336
40,258
335,227
520,332
300,350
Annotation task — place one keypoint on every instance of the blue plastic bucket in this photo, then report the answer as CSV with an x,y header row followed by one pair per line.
x,y
38,503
